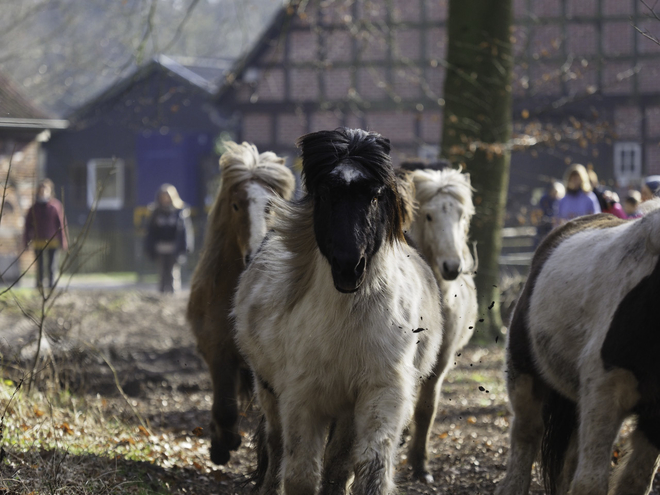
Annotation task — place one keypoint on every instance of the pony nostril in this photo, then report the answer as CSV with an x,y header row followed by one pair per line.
x,y
445,267
359,268
247,259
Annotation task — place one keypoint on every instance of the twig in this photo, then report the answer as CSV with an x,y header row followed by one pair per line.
x,y
119,387
4,193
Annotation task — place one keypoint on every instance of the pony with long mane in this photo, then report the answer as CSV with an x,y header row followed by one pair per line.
x,y
440,230
236,226
340,320
582,355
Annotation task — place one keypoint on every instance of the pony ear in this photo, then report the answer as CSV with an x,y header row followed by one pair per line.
x,y
384,143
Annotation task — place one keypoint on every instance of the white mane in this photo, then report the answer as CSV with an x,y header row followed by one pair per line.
x,y
429,183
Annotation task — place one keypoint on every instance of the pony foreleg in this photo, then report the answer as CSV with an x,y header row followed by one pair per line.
x,y
338,459
269,445
427,405
604,404
526,434
379,419
224,413
304,439
634,476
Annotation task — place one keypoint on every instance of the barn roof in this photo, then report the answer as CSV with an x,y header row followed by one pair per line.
x,y
203,74
17,112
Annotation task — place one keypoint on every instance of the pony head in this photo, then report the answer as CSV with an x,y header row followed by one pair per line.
x,y
349,176
443,219
249,182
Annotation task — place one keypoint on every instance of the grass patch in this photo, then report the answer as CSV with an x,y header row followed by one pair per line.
x,y
62,443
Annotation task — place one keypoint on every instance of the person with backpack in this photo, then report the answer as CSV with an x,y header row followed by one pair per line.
x,y
169,236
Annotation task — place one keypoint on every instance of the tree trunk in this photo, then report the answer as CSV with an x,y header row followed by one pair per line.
x,y
477,129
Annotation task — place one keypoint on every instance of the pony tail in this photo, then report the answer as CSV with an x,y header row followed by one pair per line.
x,y
560,422
259,439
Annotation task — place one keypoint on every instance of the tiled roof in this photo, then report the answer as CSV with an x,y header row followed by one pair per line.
x,y
14,105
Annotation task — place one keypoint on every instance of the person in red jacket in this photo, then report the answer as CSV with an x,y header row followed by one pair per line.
x,y
45,230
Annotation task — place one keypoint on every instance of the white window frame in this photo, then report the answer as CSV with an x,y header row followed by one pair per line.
x,y
114,203
631,171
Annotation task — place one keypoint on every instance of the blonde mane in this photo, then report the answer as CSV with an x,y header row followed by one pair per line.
x,y
429,183
241,162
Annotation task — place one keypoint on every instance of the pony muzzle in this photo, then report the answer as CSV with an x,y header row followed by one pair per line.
x,y
348,272
451,269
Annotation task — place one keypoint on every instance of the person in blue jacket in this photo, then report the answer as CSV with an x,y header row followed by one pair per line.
x,y
579,199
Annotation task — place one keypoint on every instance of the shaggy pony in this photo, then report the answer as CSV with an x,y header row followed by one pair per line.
x,y
440,231
235,229
582,355
340,320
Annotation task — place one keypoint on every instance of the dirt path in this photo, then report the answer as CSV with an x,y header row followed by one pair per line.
x,y
144,337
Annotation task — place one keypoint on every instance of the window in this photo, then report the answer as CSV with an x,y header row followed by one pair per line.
x,y
105,181
627,163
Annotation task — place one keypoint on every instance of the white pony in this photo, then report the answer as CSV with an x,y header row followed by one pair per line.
x,y
340,321
440,231
582,355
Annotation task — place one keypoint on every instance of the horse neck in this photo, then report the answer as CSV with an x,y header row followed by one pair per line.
x,y
228,262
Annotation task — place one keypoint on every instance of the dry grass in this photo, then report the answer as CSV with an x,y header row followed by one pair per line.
x,y
60,443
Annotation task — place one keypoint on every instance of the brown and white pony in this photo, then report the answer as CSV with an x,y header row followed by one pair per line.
x,y
235,229
583,353
340,320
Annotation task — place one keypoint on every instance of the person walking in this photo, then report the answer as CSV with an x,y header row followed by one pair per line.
x,y
579,199
548,207
169,236
45,231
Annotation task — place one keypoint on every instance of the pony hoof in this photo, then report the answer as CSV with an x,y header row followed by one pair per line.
x,y
235,442
219,453
424,477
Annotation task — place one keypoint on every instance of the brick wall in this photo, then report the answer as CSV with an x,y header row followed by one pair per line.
x,y
581,8
582,38
258,128
304,84
618,7
628,122
337,83
20,195
652,159
617,38
398,127
289,128
615,78
271,85
652,116
324,120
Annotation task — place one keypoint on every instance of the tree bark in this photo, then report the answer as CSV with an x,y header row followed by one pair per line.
x,y
477,129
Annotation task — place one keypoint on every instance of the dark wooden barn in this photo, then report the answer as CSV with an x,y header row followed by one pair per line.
x,y
156,126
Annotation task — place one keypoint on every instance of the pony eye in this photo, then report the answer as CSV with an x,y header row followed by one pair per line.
x,y
234,206
428,217
267,209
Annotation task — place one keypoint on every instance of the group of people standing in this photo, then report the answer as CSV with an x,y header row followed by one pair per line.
x,y
581,194
169,235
